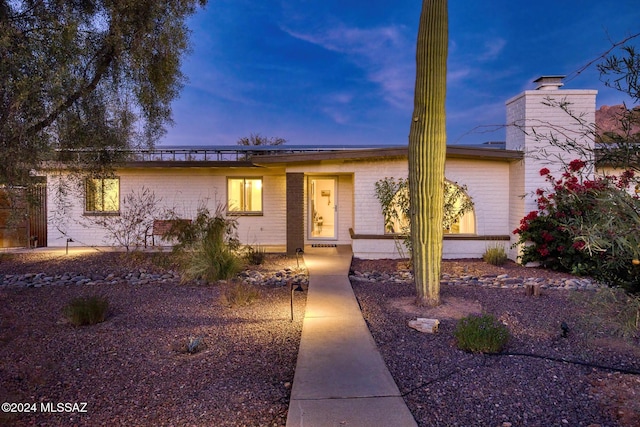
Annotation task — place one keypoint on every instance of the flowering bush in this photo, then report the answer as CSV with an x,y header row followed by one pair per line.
x,y
587,226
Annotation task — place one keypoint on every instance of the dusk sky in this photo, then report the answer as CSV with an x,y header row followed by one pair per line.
x,y
326,72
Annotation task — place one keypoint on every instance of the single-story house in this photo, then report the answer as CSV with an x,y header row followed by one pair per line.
x,y
288,197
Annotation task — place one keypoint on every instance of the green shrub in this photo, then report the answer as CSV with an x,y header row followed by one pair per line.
x,y
239,294
394,199
481,334
6,257
211,261
86,310
163,260
586,226
208,247
255,256
495,255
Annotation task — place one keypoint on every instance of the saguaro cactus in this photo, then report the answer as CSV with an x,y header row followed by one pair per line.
x,y
427,150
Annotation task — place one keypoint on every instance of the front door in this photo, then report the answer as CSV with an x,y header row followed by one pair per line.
x,y
323,211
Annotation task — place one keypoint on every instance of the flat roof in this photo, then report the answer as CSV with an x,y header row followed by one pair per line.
x,y
251,156
399,151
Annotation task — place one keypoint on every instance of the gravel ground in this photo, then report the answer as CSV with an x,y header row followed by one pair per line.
x,y
444,386
130,370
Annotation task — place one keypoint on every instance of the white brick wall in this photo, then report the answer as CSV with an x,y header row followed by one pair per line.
x,y
487,184
181,189
532,124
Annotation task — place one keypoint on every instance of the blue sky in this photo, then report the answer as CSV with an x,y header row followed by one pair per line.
x,y
327,72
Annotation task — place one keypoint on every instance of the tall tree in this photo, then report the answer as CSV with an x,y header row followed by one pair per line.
x,y
427,150
87,74
256,139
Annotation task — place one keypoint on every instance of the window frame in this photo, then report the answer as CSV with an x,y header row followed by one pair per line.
x,y
245,212
102,192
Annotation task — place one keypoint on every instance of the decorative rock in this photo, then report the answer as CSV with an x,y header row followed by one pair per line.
x,y
492,281
141,277
421,324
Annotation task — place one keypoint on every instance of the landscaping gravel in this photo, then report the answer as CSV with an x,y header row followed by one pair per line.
x,y
133,370
541,379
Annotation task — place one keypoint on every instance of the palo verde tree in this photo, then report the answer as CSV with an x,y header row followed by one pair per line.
x,y
95,75
427,150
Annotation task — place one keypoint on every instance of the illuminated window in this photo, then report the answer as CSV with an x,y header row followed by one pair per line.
x,y
459,215
102,195
244,195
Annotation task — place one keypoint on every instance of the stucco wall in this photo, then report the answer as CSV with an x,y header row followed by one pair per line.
x,y
180,189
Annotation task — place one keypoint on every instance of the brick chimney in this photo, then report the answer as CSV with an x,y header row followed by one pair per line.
x,y
534,120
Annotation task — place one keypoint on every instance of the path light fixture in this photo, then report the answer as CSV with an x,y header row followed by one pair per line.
x,y
299,251
67,250
298,288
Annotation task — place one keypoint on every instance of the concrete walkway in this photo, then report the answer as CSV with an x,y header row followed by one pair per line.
x,y
340,379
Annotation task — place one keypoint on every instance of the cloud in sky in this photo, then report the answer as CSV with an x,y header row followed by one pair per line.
x,y
324,71
381,53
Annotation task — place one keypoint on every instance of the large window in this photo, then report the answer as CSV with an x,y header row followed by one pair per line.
x,y
102,196
244,195
458,218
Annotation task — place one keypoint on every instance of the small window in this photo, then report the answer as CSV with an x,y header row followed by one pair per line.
x,y
102,195
244,195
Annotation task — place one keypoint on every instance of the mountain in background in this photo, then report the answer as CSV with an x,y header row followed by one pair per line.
x,y
616,122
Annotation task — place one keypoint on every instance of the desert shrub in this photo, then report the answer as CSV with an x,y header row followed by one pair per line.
x,y
620,309
208,247
585,226
134,222
210,260
495,255
255,256
86,310
396,208
163,260
481,334
239,294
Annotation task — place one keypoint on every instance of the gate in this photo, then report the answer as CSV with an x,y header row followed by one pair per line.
x,y
23,216
38,216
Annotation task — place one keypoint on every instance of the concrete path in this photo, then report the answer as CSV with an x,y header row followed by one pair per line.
x,y
340,379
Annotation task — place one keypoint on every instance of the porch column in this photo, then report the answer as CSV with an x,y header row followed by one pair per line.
x,y
295,212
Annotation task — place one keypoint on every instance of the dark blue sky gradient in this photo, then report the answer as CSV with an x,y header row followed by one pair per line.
x,y
323,72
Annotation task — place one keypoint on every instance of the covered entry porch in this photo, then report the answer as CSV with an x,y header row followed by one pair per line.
x,y
319,209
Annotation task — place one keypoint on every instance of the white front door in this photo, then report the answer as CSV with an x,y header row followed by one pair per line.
x,y
323,211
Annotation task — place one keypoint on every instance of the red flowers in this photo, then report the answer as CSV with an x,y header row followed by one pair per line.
x,y
579,245
576,165
584,223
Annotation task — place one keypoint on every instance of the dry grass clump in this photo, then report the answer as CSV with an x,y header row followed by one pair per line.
x,y
239,294
90,310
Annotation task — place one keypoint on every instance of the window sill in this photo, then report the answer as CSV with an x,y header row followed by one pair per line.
x,y
101,214
234,213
